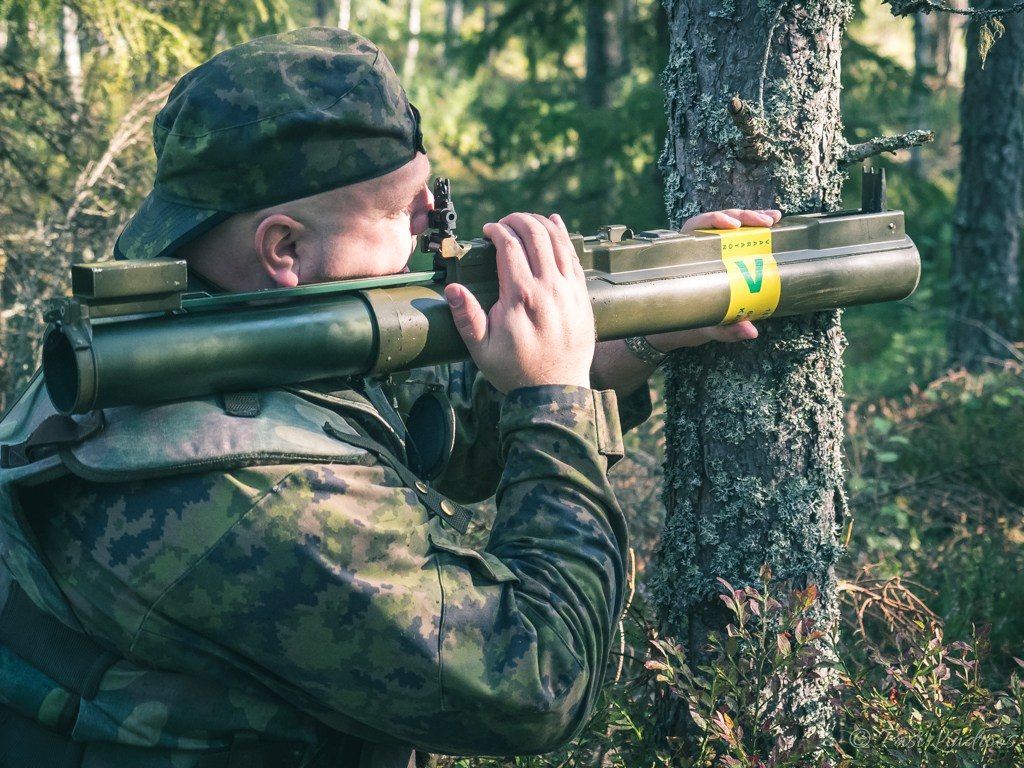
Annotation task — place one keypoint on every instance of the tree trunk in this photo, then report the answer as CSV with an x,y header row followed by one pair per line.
x,y
949,49
925,81
984,316
344,14
603,53
15,32
452,26
937,65
412,48
754,430
71,53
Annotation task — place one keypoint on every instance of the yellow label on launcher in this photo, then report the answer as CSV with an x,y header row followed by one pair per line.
x,y
754,284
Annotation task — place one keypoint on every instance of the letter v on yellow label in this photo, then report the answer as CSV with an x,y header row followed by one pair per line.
x,y
754,284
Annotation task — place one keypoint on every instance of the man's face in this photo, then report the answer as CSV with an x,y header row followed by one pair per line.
x,y
370,229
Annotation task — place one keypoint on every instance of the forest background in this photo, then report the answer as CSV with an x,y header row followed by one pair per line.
x,y
557,106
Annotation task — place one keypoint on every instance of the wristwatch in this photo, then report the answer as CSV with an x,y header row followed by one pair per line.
x,y
643,350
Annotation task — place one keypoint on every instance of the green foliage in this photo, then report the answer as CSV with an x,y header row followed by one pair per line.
x,y
116,33
923,703
935,476
75,153
518,136
897,344
893,345
735,701
874,92
576,160
935,482
730,699
932,708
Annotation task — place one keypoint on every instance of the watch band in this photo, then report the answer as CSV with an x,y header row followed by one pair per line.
x,y
643,350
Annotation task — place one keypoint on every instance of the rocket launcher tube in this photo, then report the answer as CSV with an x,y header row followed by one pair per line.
x,y
144,349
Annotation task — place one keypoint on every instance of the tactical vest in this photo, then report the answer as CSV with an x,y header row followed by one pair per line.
x,y
66,698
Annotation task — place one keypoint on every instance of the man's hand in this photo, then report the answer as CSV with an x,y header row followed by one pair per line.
x,y
541,330
617,368
733,218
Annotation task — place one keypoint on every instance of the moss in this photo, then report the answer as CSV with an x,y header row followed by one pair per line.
x,y
726,9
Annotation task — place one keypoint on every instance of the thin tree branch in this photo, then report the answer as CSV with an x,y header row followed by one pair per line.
x,y
876,146
631,582
907,7
946,472
1000,340
756,144
132,128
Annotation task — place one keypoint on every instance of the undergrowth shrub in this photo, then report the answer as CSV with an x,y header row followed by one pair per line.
x,y
931,708
735,704
921,703
936,482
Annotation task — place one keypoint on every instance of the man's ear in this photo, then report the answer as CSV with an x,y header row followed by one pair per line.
x,y
276,241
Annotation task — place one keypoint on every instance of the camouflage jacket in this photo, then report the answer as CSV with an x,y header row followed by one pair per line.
x,y
301,594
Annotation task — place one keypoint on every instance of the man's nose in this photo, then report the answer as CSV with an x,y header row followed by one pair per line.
x,y
425,203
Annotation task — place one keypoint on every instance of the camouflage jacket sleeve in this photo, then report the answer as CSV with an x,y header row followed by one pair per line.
x,y
330,586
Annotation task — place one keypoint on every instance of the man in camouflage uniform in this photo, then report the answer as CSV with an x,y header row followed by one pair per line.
x,y
197,584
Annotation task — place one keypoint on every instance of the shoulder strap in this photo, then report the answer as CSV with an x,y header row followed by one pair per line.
x,y
70,658
77,663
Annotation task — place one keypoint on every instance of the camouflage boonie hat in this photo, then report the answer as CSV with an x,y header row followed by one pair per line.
x,y
275,119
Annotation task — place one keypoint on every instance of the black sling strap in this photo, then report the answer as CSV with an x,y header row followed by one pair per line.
x,y
70,658
24,742
77,663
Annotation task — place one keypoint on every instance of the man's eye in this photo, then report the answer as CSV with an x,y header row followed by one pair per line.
x,y
407,211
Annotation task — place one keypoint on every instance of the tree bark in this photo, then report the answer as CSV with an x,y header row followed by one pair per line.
x,y
754,430
984,317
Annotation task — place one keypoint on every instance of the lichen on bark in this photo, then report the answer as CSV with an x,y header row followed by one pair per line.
x,y
754,430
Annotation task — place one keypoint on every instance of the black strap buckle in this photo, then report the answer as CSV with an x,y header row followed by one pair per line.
x,y
52,433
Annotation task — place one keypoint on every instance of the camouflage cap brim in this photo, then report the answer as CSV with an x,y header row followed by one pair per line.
x,y
160,227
